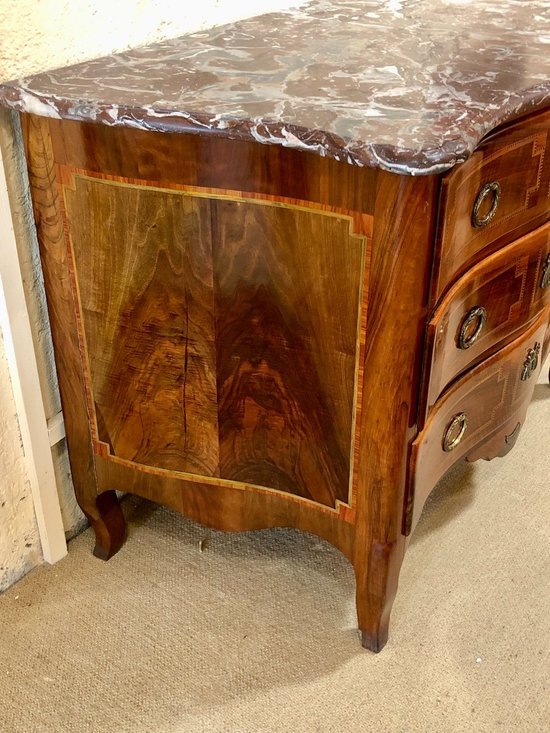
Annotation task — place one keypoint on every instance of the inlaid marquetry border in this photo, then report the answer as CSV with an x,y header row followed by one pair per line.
x,y
538,142
360,229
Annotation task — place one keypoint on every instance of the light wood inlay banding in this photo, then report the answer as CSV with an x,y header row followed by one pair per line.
x,y
222,336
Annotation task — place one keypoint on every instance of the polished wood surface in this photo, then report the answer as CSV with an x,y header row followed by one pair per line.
x,y
252,335
143,267
404,213
231,507
288,293
222,336
490,395
214,162
105,516
239,505
518,159
510,286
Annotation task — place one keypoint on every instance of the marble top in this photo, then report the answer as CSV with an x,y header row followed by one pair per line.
x,y
405,85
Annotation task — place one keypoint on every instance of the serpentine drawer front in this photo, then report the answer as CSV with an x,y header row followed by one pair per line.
x,y
500,193
488,397
486,306
294,274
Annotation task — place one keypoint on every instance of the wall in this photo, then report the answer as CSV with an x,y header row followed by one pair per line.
x,y
36,35
19,541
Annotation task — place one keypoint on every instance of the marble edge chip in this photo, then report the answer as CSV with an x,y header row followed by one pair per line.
x,y
429,160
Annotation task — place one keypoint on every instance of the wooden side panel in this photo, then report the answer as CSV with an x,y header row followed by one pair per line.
x,y
220,337
143,263
288,287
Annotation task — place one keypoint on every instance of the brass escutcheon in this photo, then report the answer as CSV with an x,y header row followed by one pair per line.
x,y
545,282
492,188
531,362
455,432
465,338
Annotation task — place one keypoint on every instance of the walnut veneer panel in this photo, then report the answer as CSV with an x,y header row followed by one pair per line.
x,y
288,286
221,336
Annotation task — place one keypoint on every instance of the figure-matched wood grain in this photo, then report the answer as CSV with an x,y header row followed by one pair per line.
x,y
222,337
518,159
509,285
490,395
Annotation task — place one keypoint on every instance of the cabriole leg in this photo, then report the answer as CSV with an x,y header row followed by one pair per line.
x,y
377,575
108,523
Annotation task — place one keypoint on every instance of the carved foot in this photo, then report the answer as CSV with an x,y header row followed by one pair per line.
x,y
107,521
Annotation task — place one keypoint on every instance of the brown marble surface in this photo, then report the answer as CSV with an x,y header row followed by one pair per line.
x,y
405,85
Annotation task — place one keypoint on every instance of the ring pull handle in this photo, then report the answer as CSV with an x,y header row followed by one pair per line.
x,y
545,282
531,362
491,189
455,432
471,327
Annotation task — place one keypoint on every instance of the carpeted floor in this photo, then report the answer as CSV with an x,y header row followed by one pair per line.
x,y
256,633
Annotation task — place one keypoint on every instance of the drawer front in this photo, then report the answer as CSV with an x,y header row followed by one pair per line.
x,y
474,409
499,194
495,299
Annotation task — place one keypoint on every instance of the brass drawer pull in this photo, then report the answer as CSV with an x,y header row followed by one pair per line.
x,y
545,282
489,189
466,336
531,362
455,432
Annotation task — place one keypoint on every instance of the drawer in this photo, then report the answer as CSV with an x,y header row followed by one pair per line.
x,y
499,194
495,392
495,299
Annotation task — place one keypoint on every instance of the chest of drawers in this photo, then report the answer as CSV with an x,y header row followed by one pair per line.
x,y
261,322
255,337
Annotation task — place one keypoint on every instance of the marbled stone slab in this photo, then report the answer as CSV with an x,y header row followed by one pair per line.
x,y
405,85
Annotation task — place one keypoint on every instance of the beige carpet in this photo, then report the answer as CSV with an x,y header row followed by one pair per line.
x,y
257,632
